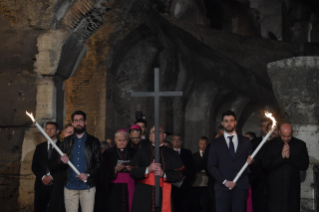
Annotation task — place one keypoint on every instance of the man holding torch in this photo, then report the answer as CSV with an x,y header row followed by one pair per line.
x,y
227,155
83,150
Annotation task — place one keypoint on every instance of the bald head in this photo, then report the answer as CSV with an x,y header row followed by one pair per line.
x,y
286,132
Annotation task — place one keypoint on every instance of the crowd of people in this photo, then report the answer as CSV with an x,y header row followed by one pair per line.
x,y
120,176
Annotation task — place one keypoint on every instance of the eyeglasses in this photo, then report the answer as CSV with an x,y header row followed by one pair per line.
x,y
136,138
78,120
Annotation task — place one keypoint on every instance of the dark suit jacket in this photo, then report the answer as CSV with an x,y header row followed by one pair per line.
x,y
257,172
40,164
189,171
199,162
223,166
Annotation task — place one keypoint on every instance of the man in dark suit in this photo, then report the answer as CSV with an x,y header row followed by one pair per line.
x,y
181,191
200,185
258,176
44,180
227,155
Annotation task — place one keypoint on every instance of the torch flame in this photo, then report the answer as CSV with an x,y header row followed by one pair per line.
x,y
30,115
269,115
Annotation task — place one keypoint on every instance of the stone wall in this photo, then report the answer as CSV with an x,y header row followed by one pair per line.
x,y
86,89
295,83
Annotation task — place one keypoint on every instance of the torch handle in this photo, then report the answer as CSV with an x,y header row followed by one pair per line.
x,y
253,155
57,148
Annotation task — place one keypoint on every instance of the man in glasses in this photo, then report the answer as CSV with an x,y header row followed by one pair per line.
x,y
84,151
135,136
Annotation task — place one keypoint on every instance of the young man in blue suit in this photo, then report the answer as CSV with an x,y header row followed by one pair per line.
x,y
227,155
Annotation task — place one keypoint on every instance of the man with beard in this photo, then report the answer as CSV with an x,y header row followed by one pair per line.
x,y
43,187
84,152
227,155
144,170
284,157
115,186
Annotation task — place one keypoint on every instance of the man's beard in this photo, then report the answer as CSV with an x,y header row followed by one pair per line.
x,y
231,130
79,130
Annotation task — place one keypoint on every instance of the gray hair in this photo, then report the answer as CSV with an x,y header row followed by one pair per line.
x,y
125,133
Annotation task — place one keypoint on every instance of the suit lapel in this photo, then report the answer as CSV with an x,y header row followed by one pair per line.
x,y
239,147
45,151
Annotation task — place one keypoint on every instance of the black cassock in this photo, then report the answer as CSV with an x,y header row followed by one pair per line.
x,y
284,178
112,197
144,195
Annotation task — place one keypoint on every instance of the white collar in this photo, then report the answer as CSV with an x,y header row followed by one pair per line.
x,y
56,140
227,134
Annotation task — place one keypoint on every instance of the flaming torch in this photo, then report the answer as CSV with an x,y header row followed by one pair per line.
x,y
274,123
53,144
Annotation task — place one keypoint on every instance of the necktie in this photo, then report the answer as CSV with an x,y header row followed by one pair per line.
x,y
202,153
231,146
49,155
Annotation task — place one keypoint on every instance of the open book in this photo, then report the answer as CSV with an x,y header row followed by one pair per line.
x,y
123,162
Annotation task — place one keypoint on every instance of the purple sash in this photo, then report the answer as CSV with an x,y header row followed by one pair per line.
x,y
249,201
125,178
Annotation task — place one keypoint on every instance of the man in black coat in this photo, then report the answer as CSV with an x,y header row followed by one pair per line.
x,y
258,176
227,155
181,191
200,186
84,151
284,158
44,180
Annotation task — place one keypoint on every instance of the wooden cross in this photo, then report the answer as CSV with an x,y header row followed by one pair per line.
x,y
157,94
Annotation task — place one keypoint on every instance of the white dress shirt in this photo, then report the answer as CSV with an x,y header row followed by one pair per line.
x,y
201,153
56,140
178,151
